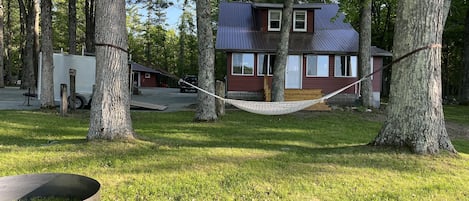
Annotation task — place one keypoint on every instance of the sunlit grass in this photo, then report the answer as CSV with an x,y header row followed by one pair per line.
x,y
306,156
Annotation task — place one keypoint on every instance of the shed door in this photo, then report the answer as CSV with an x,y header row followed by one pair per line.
x,y
293,72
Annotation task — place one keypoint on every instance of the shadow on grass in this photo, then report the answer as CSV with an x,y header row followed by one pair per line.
x,y
462,146
9,140
349,155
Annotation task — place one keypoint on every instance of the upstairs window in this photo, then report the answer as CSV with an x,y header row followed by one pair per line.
x,y
265,63
243,64
275,20
299,20
345,66
317,66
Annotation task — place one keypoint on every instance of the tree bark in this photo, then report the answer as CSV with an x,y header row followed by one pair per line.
x,y
206,103
364,54
90,8
8,36
278,80
72,26
28,13
2,72
415,113
47,71
110,108
36,45
464,99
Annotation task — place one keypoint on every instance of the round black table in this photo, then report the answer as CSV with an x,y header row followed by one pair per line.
x,y
54,185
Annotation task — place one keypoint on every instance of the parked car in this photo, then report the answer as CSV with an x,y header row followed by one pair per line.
x,y
183,87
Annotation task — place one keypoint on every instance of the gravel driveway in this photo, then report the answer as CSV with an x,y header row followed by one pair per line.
x,y
11,98
167,96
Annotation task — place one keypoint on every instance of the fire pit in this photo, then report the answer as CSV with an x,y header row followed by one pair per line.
x,y
50,185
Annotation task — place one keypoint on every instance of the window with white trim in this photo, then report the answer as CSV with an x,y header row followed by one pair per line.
x,y
243,64
317,66
265,62
275,20
345,66
299,20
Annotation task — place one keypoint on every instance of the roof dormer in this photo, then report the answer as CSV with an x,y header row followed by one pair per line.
x,y
269,17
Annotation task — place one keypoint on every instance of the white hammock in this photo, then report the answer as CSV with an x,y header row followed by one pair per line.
x,y
274,108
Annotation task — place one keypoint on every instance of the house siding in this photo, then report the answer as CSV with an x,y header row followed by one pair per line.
x,y
262,16
327,84
251,83
310,20
377,78
255,83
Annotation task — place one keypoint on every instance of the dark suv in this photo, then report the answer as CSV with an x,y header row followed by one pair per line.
x,y
183,87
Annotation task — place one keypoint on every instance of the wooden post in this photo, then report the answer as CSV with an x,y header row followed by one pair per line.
x,y
73,97
220,104
64,101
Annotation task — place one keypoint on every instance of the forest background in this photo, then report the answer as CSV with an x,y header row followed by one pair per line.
x,y
152,42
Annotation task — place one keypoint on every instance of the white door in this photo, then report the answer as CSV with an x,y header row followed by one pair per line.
x,y
293,72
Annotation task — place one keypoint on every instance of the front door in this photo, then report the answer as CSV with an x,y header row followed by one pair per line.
x,y
293,72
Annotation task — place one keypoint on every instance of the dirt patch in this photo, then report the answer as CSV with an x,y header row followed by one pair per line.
x,y
457,131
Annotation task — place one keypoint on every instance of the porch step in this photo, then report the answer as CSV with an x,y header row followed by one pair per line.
x,y
303,94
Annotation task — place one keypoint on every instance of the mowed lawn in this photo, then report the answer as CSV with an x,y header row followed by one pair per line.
x,y
243,156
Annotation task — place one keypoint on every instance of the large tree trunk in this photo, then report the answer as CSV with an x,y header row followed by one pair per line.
x,y
28,13
8,37
364,54
465,85
47,71
36,45
206,107
90,8
72,26
2,72
278,81
110,109
415,113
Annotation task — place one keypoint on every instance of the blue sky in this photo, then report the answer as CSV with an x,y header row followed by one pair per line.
x,y
172,14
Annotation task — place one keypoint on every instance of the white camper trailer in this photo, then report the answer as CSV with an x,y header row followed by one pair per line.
x,y
85,77
85,67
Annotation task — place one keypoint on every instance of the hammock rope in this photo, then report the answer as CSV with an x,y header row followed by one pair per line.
x,y
286,107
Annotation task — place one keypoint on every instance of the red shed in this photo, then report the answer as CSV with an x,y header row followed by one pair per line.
x,y
144,76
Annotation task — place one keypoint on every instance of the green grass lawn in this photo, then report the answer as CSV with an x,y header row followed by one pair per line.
x,y
458,114
305,156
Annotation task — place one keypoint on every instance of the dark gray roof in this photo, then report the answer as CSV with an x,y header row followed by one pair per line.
x,y
236,31
376,51
141,68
